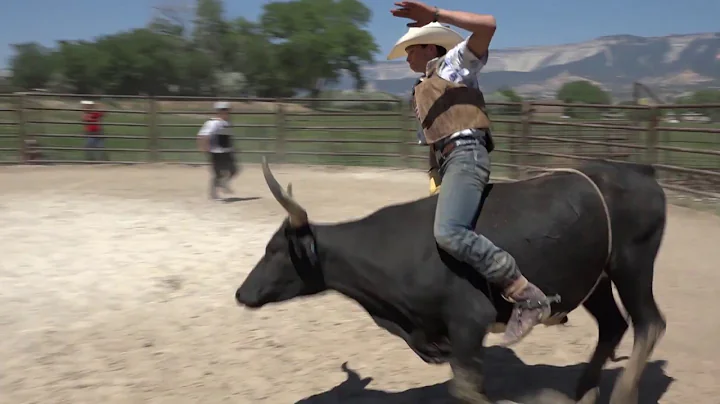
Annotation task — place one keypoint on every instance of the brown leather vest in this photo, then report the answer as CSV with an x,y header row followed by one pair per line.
x,y
444,107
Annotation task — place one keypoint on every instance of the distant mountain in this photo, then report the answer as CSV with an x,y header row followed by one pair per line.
x,y
669,65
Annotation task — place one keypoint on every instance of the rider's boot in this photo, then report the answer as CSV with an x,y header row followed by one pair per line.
x,y
531,307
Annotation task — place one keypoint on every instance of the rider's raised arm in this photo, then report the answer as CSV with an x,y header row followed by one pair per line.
x,y
482,27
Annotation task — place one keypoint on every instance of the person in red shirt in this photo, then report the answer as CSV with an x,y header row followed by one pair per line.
x,y
93,130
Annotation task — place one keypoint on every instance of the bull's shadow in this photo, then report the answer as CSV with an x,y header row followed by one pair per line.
x,y
507,378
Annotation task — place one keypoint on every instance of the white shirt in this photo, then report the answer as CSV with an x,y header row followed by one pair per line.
x,y
215,126
460,65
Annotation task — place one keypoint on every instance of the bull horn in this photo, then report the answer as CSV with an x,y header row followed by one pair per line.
x,y
298,215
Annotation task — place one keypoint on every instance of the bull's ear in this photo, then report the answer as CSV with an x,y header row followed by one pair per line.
x,y
310,249
302,244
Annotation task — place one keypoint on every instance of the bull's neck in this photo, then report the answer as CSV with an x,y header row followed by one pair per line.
x,y
346,260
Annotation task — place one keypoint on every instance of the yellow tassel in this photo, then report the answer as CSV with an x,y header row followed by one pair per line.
x,y
433,188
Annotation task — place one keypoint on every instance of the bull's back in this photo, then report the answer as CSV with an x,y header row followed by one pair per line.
x,y
553,226
556,228
542,208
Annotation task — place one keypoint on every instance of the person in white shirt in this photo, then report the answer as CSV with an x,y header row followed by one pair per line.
x,y
214,138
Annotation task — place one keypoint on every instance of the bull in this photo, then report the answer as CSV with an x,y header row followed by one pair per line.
x,y
573,232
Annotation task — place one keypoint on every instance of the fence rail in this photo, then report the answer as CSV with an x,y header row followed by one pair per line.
x,y
681,141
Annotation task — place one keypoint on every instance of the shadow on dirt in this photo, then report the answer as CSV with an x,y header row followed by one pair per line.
x,y
508,378
237,199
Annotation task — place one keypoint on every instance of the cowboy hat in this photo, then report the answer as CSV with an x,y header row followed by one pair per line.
x,y
221,105
433,33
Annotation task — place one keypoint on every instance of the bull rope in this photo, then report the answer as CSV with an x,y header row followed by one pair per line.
x,y
549,171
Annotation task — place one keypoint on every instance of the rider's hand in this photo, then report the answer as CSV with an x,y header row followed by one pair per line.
x,y
421,13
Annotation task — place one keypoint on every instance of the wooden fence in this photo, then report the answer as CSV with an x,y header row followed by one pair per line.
x,y
681,141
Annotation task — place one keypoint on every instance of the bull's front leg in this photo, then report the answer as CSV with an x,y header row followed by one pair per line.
x,y
470,317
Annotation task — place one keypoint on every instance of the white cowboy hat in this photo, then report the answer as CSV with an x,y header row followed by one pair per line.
x,y
433,33
221,105
87,102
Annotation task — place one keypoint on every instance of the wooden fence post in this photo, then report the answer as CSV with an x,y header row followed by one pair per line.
x,y
404,149
280,132
652,136
22,127
513,145
153,135
525,132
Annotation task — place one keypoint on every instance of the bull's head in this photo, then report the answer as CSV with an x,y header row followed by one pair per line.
x,y
290,266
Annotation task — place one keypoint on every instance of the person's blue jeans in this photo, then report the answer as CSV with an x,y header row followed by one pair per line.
x,y
465,173
95,141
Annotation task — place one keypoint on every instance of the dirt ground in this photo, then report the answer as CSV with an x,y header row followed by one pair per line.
x,y
117,284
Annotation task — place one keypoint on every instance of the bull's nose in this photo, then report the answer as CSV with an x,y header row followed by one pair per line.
x,y
239,297
245,299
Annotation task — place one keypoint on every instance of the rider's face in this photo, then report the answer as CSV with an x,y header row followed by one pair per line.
x,y
418,56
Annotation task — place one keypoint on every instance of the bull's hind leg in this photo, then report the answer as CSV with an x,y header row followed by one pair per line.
x,y
632,274
611,326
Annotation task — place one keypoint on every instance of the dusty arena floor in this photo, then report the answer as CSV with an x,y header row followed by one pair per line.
x,y
117,284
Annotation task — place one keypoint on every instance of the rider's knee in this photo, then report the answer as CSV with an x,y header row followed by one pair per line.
x,y
446,237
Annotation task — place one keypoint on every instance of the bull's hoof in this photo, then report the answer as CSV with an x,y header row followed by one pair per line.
x,y
468,396
467,393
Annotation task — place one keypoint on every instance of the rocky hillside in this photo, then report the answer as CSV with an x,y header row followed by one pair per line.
x,y
670,65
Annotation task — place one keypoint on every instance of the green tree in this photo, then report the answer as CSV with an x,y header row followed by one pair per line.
x,y
582,92
174,21
32,66
196,69
640,116
705,97
313,41
196,73
212,33
511,96
295,46
260,61
138,61
80,64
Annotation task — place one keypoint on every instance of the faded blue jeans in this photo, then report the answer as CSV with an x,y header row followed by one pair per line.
x,y
465,173
95,140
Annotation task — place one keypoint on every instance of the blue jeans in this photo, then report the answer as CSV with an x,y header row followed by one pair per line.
x,y
95,140
465,173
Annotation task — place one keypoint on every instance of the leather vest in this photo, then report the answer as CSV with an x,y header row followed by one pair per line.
x,y
221,138
443,107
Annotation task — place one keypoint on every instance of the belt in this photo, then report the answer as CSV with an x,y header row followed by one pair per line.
x,y
451,144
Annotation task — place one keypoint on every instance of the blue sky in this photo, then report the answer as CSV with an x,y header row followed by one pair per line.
x,y
520,23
